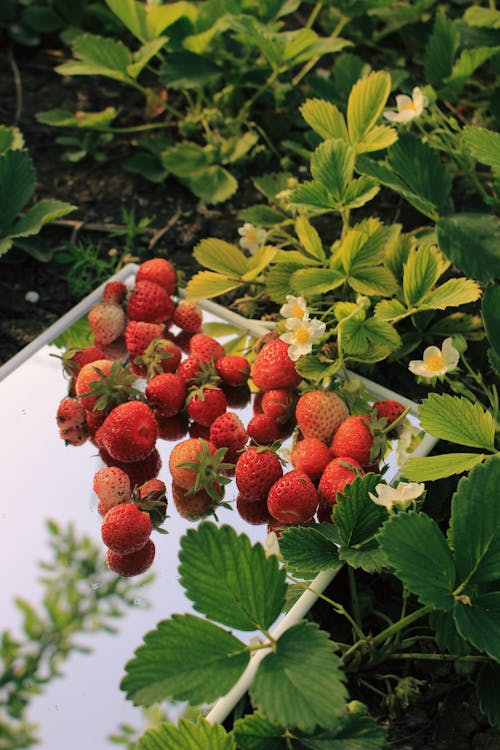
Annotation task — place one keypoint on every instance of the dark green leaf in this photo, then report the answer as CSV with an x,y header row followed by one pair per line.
x,y
306,550
17,184
214,184
417,550
186,736
421,168
355,515
479,622
484,146
185,658
447,636
185,70
441,50
300,684
38,215
229,580
472,243
369,557
490,308
262,215
256,732
359,732
488,690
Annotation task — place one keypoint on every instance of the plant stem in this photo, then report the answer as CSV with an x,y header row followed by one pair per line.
x,y
354,596
339,609
439,657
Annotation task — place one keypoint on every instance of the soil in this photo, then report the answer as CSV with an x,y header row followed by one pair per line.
x,y
445,714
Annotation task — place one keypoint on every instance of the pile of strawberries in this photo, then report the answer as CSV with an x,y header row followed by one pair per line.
x,y
152,373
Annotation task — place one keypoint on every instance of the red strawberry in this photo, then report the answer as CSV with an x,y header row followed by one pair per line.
x,y
254,512
228,431
257,469
70,413
162,355
149,302
389,410
205,348
167,393
293,498
94,420
205,404
339,472
74,359
354,438
310,456
107,321
125,528
279,404
104,384
196,464
264,429
233,370
134,564
112,487
139,334
188,316
137,471
88,375
189,369
129,432
273,368
319,413
193,506
160,271
114,291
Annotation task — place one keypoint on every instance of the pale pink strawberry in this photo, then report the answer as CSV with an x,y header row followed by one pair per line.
x,y
112,487
107,322
319,413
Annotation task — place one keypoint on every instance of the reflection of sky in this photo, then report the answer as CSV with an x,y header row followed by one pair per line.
x,y
44,479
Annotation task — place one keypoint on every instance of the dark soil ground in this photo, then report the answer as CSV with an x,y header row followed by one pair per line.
x,y
445,714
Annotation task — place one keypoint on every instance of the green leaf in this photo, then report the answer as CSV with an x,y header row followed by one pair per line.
x,y
441,50
218,255
312,196
144,54
359,731
360,191
10,138
490,309
476,16
457,420
310,367
315,281
17,184
300,684
186,70
256,732
366,103
475,524
421,271
417,550
324,118
488,690
373,281
260,260
262,215
447,635
206,284
62,118
149,21
38,215
467,63
355,515
148,166
186,736
452,293
421,168
309,238
307,550
372,333
379,137
332,164
369,557
472,243
229,580
479,622
278,281
429,468
213,185
98,56
484,146
186,159
184,658
389,309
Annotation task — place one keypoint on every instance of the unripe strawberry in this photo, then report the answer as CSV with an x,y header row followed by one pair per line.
x,y
107,322
112,487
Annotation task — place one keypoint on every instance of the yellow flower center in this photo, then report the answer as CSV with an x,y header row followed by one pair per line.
x,y
435,363
251,235
302,336
407,106
297,312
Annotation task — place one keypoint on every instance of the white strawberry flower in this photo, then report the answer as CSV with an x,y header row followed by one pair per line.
x,y
408,439
271,544
295,307
401,496
302,334
436,362
251,237
409,107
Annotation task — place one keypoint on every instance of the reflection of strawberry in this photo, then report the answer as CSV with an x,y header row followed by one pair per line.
x,y
160,271
354,438
252,511
311,456
134,564
257,469
129,432
233,370
279,404
125,528
172,428
193,506
273,368
293,498
319,413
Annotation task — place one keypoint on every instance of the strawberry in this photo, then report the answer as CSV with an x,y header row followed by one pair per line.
x,y
319,413
160,271
339,472
354,438
107,322
257,469
112,487
104,384
139,334
125,528
205,348
94,420
134,564
166,393
293,498
193,506
149,302
389,410
310,456
233,370
129,432
197,464
162,355
228,431
74,359
205,404
114,291
88,377
273,368
75,435
188,316
137,471
70,413
279,404
254,512
264,429
117,349
151,497
189,369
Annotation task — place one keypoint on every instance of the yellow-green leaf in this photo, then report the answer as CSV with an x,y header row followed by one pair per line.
x,y
309,238
324,118
332,164
259,260
221,256
421,271
312,281
379,137
452,293
207,284
366,103
389,309
373,280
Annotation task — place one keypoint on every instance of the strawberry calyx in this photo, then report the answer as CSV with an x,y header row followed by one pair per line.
x,y
155,504
206,376
153,356
199,391
113,389
209,468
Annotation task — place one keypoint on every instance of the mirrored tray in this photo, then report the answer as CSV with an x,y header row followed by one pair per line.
x,y
45,480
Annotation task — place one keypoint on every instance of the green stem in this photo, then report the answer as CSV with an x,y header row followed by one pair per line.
x,y
354,596
439,657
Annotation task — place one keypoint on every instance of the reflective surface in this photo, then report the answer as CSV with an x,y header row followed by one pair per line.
x,y
44,479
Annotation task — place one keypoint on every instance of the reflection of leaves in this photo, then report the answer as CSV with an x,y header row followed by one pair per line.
x,y
80,596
